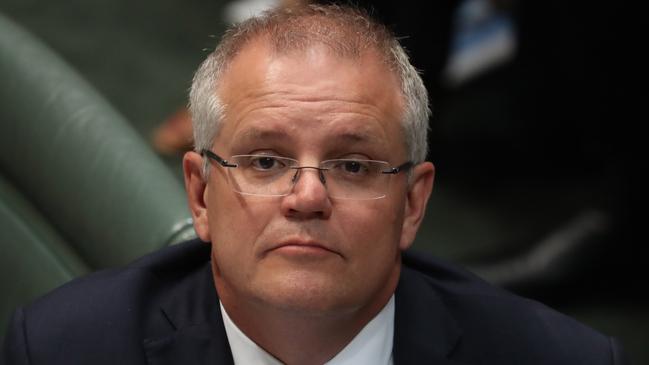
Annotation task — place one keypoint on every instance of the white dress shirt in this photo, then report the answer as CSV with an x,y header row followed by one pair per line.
x,y
372,345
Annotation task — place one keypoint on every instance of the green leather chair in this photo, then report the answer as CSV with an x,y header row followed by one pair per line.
x,y
35,258
80,190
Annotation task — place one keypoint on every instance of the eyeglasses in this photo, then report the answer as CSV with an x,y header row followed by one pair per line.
x,y
267,175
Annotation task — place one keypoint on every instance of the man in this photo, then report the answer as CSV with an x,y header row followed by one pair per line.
x,y
308,182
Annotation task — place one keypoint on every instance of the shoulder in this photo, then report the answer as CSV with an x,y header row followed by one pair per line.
x,y
94,313
123,288
497,324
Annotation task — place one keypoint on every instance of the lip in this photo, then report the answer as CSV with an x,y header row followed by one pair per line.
x,y
300,247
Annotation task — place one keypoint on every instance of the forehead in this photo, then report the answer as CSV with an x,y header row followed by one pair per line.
x,y
310,89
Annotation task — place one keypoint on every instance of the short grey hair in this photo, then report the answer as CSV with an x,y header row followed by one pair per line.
x,y
348,31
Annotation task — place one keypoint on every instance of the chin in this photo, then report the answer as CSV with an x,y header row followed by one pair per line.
x,y
309,293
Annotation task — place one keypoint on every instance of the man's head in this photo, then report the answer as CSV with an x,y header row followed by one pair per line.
x,y
310,84
346,32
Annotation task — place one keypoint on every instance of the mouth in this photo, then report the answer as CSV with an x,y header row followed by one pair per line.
x,y
302,248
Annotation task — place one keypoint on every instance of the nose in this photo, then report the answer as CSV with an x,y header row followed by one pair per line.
x,y
308,198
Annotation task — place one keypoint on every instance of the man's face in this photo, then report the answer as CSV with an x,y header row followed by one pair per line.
x,y
306,252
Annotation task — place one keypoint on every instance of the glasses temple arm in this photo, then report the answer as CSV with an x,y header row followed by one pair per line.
x,y
217,158
395,170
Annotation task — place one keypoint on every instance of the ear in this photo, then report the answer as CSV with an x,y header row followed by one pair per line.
x,y
196,193
421,185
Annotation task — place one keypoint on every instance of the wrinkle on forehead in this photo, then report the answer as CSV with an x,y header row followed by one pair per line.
x,y
306,111
268,131
310,87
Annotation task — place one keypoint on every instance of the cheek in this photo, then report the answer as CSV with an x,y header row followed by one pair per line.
x,y
235,224
371,232
236,228
227,210
376,224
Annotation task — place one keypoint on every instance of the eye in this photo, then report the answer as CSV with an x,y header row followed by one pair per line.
x,y
351,167
266,163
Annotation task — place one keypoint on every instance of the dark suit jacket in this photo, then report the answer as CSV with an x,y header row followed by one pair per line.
x,y
163,309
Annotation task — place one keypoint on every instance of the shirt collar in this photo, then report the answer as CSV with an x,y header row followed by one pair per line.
x,y
372,345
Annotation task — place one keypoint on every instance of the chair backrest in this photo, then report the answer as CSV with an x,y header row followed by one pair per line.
x,y
78,161
34,258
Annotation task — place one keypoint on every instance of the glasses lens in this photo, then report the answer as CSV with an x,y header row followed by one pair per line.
x,y
356,179
267,175
262,174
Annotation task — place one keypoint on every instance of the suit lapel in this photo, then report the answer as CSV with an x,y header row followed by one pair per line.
x,y
197,335
424,330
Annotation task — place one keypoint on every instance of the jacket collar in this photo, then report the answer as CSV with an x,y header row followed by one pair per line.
x,y
424,330
197,335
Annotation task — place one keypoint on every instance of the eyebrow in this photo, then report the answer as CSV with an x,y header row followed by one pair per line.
x,y
266,134
259,133
357,136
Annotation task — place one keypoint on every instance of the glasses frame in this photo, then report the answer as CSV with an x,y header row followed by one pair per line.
x,y
225,163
